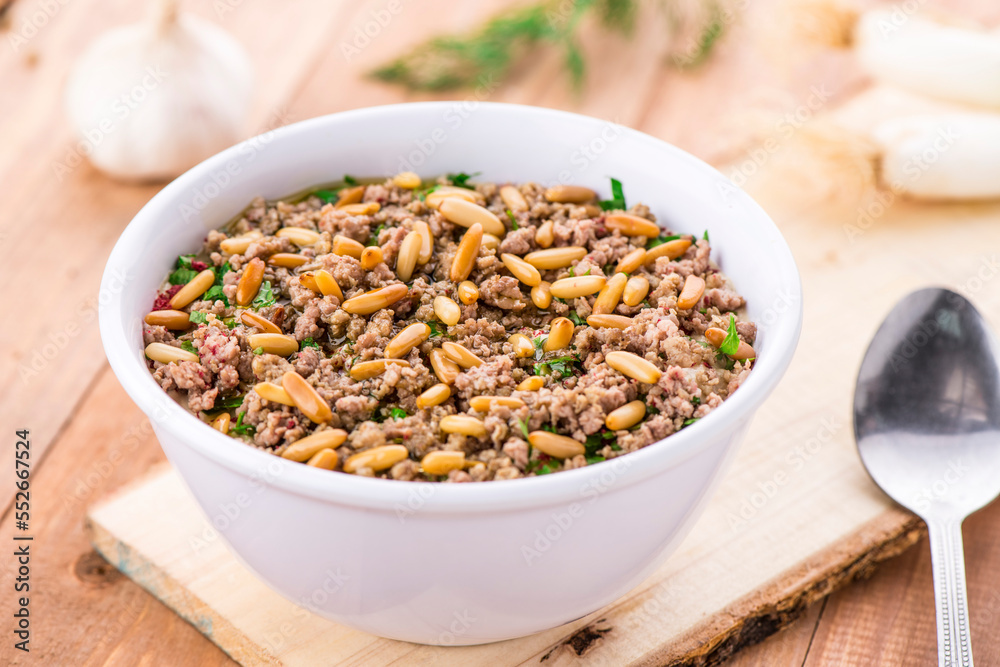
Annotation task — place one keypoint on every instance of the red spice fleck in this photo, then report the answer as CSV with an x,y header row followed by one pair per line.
x,y
199,266
162,301
290,424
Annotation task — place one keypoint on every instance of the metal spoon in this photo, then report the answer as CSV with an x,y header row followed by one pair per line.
x,y
927,422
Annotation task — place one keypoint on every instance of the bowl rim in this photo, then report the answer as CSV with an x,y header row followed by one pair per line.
x,y
497,495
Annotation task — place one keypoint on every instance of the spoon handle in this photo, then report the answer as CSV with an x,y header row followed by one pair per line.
x,y
948,561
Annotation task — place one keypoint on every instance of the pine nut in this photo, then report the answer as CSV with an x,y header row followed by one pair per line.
x,y
371,257
545,236
626,416
436,395
221,423
570,194
555,258
274,393
442,462
491,242
350,195
345,246
308,281
194,289
631,262
406,340
671,250
171,319
249,285
610,295
426,242
325,459
447,310
560,334
375,300
238,245
376,458
166,354
541,295
307,447
636,290
287,259
367,208
607,321
633,366
717,336
445,369
533,383
461,355
464,424
443,192
273,343
365,370
523,347
468,293
300,236
305,397
557,446
409,251
521,270
571,288
484,403
327,284
513,199
466,254
406,180
631,225
694,288
466,214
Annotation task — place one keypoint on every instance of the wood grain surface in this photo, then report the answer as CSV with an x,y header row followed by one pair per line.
x,y
88,439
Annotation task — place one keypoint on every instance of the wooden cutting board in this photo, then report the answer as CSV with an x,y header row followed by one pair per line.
x,y
795,516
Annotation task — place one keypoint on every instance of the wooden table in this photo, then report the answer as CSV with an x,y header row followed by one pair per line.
x,y
87,437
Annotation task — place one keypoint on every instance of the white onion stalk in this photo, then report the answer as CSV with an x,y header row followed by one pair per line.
x,y
941,157
912,50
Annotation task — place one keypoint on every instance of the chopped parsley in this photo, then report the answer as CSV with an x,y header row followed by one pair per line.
x,y
461,179
198,317
617,200
231,323
660,240
572,271
398,413
240,428
229,403
513,220
350,180
705,235
695,400
373,239
732,341
309,342
265,297
539,342
437,329
689,421
182,273
215,292
575,318
187,346
598,441
564,366
258,351
326,196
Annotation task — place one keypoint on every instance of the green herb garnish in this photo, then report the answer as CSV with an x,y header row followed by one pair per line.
x,y
398,413
350,180
705,235
229,403
240,428
689,421
183,273
732,341
373,239
437,329
513,220
461,180
258,351
524,427
575,318
231,323
617,200
265,297
188,346
198,317
564,366
309,342
539,341
660,240
327,196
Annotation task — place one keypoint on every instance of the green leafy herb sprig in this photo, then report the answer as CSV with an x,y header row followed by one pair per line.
x,y
480,56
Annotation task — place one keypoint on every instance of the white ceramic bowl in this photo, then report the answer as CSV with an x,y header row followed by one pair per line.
x,y
462,563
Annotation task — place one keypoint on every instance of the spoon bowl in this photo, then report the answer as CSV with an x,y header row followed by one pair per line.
x,y
927,423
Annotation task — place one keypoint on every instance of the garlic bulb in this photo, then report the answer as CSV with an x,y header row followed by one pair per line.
x,y
151,100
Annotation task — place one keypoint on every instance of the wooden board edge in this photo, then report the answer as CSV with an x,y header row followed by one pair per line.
x,y
161,586
785,599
